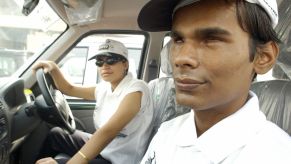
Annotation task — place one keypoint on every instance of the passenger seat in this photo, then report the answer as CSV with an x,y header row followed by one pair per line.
x,y
275,101
163,92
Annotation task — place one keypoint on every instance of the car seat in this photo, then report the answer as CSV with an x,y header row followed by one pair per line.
x,y
163,92
275,101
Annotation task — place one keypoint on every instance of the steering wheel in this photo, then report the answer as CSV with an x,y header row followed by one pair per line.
x,y
52,105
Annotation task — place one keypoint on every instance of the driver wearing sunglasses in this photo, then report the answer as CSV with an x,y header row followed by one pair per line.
x,y
123,113
111,59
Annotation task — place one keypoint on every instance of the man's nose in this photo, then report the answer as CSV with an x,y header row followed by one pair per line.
x,y
186,56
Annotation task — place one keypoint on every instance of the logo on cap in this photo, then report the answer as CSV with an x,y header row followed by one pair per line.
x,y
104,47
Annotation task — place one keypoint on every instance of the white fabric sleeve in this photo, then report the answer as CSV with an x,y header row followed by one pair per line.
x,y
142,87
145,109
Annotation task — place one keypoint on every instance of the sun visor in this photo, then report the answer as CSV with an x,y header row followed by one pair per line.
x,y
81,12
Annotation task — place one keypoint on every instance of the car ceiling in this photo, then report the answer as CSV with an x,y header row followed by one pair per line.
x,y
126,9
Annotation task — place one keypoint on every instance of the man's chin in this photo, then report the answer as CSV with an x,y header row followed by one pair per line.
x,y
184,99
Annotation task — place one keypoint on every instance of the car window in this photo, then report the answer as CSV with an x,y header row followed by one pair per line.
x,y
79,70
73,65
23,36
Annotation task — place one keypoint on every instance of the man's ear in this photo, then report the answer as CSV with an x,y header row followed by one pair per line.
x,y
266,56
126,64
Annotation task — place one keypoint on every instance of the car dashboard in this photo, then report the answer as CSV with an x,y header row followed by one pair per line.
x,y
18,118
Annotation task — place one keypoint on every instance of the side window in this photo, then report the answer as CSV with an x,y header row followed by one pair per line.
x,y
74,64
79,70
8,65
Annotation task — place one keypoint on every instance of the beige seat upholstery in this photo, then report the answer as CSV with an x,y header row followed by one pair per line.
x,y
163,92
275,101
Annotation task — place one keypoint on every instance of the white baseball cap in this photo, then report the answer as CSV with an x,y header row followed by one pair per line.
x,y
157,15
111,48
270,7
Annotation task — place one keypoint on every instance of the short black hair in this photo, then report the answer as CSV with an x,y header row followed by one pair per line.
x,y
253,19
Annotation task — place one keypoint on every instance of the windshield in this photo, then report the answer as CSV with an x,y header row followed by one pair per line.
x,y
22,37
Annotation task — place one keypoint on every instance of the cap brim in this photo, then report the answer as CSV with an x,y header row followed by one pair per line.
x,y
109,54
101,54
156,15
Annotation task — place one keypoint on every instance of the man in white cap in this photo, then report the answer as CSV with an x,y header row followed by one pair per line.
x,y
218,48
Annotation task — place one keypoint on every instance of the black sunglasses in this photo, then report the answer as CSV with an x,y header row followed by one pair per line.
x,y
109,61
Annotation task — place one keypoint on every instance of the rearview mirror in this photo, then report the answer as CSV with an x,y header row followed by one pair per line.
x,y
29,6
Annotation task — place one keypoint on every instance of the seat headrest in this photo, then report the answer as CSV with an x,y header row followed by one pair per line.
x,y
274,98
165,60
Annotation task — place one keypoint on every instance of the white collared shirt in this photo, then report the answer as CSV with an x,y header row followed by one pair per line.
x,y
131,143
245,137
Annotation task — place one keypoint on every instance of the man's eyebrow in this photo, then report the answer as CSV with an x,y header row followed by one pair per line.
x,y
212,31
174,33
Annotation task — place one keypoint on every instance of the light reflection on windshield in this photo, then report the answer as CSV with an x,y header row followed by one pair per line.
x,y
23,36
